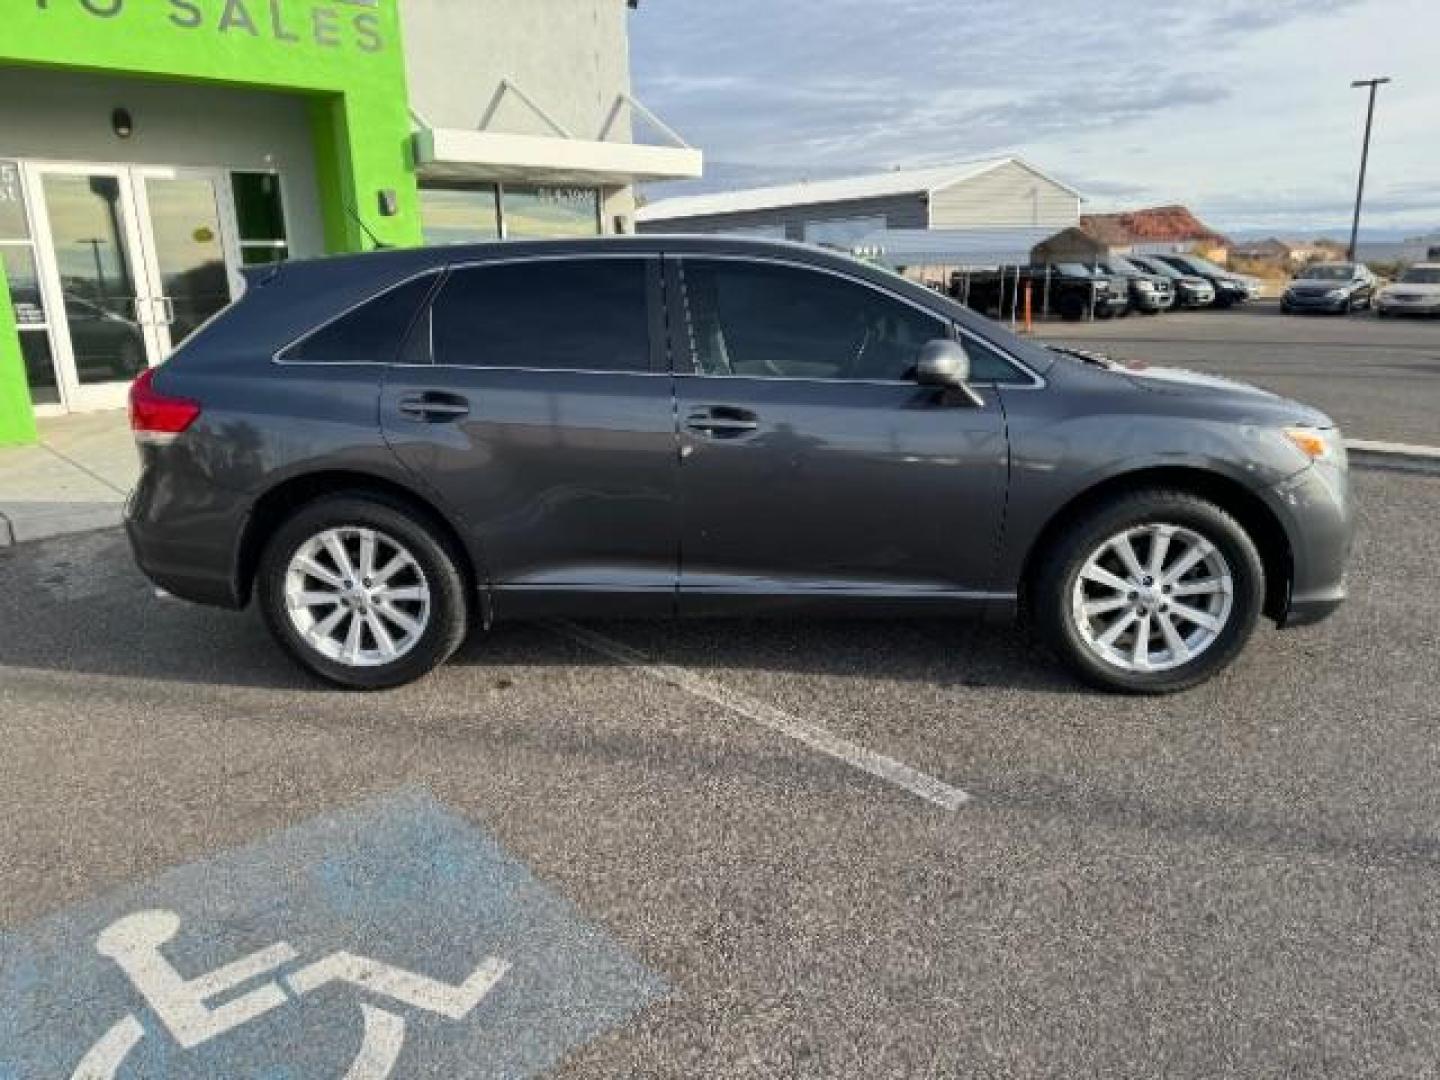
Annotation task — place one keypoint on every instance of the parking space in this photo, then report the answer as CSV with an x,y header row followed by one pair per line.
x,y
1379,378
760,830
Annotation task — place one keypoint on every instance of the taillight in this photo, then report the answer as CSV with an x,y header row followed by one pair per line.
x,y
156,418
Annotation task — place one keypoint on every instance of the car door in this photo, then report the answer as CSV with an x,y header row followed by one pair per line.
x,y
813,469
537,403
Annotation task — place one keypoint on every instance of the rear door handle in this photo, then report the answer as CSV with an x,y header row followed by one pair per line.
x,y
434,407
723,422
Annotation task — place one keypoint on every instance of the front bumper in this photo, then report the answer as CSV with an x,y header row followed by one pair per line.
x,y
1151,301
1291,302
1314,508
1396,305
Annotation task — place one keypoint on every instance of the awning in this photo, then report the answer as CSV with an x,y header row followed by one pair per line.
x,y
952,247
457,154
558,158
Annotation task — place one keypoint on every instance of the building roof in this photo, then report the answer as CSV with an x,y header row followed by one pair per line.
x,y
808,193
953,247
1158,223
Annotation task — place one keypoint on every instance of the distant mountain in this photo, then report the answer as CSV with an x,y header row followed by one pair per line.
x,y
1340,234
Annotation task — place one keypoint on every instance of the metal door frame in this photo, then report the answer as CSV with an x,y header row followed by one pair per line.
x,y
151,308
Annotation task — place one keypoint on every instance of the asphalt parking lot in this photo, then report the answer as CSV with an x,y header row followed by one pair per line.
x,y
1378,378
1240,881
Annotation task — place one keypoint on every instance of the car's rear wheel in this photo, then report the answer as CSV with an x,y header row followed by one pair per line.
x,y
360,592
1152,592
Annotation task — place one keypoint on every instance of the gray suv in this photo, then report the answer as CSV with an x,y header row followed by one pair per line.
x,y
381,450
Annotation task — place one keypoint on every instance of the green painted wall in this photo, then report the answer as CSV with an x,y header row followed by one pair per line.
x,y
17,418
348,57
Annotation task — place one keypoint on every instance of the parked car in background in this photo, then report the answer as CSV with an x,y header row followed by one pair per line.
x,y
1337,288
1149,292
381,450
1191,290
1416,293
1069,289
1230,289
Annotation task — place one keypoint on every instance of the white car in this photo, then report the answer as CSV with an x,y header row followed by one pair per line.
x,y
1417,292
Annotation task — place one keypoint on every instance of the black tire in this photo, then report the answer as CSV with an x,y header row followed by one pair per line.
x,y
1060,565
448,608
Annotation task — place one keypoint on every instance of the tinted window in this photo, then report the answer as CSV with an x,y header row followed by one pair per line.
x,y
987,365
370,334
581,315
775,321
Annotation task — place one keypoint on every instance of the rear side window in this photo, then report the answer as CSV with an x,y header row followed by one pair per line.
x,y
560,315
369,334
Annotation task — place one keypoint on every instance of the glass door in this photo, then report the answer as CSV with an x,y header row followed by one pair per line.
x,y
188,232
132,261
97,289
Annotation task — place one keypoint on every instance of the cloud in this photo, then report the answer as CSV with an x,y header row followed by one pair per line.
x,y
1224,104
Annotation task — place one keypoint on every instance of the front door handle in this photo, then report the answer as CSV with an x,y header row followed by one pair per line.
x,y
723,422
434,407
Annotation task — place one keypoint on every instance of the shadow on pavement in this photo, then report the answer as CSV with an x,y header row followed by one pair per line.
x,y
78,605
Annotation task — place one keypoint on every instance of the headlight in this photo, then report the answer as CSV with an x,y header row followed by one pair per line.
x,y
1145,286
1317,444
1337,294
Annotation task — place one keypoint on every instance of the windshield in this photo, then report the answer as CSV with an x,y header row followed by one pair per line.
x,y
1078,269
1204,266
1421,275
1156,266
1328,272
1116,264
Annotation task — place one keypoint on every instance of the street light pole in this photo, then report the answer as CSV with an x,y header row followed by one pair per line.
x,y
1373,84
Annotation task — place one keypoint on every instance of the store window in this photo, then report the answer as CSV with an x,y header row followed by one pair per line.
x,y
545,212
462,215
17,252
260,215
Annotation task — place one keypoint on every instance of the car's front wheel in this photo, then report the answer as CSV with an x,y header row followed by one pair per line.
x,y
1152,592
362,593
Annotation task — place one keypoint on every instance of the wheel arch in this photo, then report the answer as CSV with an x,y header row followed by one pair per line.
x,y
285,498
1248,508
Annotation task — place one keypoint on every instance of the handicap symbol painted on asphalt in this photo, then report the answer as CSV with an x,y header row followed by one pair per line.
x,y
134,944
390,940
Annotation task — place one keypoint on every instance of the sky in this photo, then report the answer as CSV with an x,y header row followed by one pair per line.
x,y
1240,109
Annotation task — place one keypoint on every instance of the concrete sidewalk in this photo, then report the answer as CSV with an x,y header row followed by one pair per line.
x,y
75,480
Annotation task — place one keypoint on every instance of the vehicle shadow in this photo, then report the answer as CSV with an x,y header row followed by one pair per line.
x,y
78,606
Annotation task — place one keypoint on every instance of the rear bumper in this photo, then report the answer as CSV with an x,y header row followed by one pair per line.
x,y
189,549
1314,508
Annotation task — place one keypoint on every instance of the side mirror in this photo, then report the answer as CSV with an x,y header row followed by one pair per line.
x,y
945,365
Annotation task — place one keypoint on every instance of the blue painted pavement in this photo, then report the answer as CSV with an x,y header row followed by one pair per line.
x,y
394,939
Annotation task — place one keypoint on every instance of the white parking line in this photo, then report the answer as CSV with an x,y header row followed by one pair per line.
x,y
802,731
1402,449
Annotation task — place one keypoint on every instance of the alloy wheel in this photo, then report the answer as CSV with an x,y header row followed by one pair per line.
x,y
357,596
1152,598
